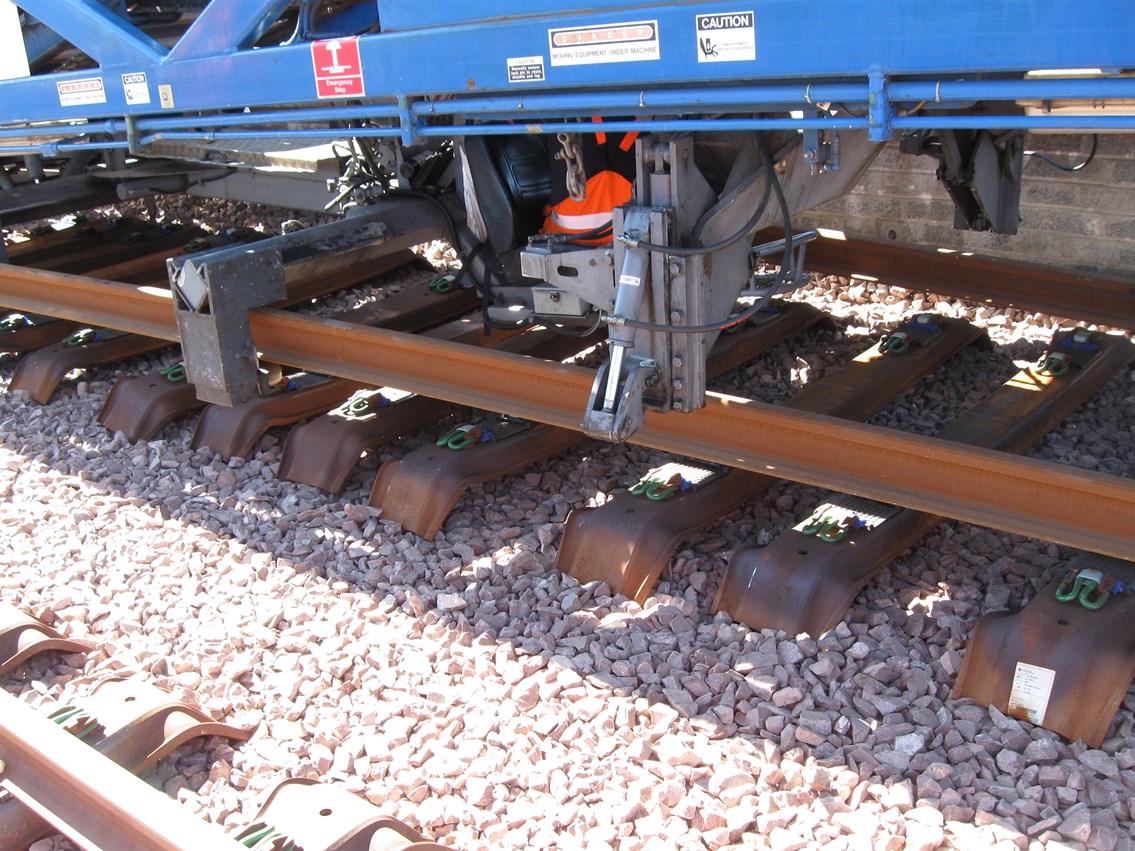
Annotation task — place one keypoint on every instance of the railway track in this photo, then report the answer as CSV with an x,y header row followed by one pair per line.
x,y
898,352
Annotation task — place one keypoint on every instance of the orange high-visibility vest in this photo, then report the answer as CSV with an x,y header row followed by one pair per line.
x,y
610,169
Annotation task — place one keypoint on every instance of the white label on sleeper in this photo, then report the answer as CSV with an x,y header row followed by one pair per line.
x,y
726,37
525,69
634,41
630,280
1028,697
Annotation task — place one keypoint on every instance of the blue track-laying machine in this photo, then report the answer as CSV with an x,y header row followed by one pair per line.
x,y
592,163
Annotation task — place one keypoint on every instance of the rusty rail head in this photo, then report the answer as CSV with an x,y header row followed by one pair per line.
x,y
1104,299
1083,509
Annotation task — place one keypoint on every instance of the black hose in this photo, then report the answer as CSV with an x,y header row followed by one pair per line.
x,y
1063,166
787,272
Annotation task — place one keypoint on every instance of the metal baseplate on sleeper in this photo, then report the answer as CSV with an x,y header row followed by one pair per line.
x,y
22,636
1066,660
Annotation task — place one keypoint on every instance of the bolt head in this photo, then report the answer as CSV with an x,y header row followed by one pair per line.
x,y
678,405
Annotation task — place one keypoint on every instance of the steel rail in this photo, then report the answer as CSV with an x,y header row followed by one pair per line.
x,y
86,796
1029,497
1103,299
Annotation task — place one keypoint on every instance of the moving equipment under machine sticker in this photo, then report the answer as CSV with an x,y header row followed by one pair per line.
x,y
525,69
631,42
80,92
338,68
726,37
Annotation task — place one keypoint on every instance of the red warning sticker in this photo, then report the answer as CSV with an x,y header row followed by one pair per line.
x,y
338,68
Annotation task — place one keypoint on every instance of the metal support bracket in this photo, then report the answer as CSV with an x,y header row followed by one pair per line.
x,y
212,297
628,413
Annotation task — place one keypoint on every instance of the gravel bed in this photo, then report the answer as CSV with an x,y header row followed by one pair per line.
x,y
467,688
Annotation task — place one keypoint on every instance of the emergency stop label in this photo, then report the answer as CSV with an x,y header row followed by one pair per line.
x,y
726,37
80,92
636,41
338,68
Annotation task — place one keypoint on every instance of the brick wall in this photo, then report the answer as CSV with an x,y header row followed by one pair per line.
x,y
1082,220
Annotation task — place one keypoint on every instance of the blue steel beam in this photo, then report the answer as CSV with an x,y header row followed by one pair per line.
x,y
41,42
225,26
96,30
794,40
839,47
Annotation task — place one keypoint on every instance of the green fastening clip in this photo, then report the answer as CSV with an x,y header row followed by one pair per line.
x,y
896,343
658,489
357,407
1093,597
827,528
264,836
444,284
198,244
1053,364
85,724
836,530
14,321
82,337
1083,588
815,526
174,373
461,437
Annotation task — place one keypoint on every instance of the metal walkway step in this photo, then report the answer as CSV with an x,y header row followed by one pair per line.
x,y
806,579
323,452
140,405
235,431
1066,660
421,489
628,541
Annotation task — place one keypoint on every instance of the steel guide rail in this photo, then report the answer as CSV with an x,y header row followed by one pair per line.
x,y
1029,497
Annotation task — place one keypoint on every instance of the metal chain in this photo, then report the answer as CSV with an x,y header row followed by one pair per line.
x,y
576,176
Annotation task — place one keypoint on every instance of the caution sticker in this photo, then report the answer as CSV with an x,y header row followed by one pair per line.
x,y
635,41
525,69
135,89
79,92
726,37
1031,690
